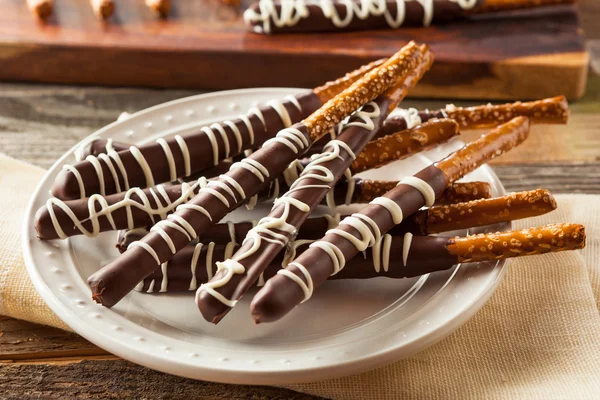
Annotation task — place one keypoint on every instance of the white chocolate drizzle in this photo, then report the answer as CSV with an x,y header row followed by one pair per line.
x,y
410,116
406,247
423,187
113,160
291,12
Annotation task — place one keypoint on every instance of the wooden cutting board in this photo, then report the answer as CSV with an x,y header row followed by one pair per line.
x,y
204,45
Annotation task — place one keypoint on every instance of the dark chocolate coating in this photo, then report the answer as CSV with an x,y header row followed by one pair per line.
x,y
278,302
317,21
427,254
356,137
98,146
115,280
419,262
65,186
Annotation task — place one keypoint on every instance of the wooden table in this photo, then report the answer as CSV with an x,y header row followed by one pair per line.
x,y
39,123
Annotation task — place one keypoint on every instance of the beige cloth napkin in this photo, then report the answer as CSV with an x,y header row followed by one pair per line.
x,y
537,338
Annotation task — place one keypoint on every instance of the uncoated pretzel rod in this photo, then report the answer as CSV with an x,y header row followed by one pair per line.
x,y
272,233
103,9
243,180
365,229
168,159
384,260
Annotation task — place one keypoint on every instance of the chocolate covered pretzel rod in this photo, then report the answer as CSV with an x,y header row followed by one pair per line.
x,y
553,110
286,16
168,159
418,255
364,229
216,298
197,264
244,179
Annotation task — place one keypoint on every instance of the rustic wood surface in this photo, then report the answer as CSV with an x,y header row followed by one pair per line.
x,y
201,45
39,123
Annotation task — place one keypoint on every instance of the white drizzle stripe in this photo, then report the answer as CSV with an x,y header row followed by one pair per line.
x,y
406,247
209,260
387,244
336,255
170,159
410,116
253,166
141,160
282,111
423,187
292,11
108,161
290,137
187,166
307,287
151,287
112,157
392,207
194,264
165,279
187,192
230,267
78,177
236,133
146,247
98,167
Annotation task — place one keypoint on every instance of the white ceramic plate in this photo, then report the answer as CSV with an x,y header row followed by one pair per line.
x,y
346,328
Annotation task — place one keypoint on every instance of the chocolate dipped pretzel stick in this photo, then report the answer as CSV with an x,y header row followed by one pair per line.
x,y
168,159
103,9
286,16
41,8
553,110
244,179
436,219
418,255
364,229
262,244
197,264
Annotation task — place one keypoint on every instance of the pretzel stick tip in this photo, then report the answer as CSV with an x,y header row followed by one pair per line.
x,y
532,241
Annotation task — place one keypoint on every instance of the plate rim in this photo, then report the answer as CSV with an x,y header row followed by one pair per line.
x,y
223,374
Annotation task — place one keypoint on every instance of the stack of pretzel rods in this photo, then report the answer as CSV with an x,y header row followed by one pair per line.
x,y
172,240
364,229
386,259
137,207
377,218
244,179
167,160
283,16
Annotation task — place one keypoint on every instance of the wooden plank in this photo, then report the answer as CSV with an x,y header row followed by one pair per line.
x,y
203,45
21,340
118,379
